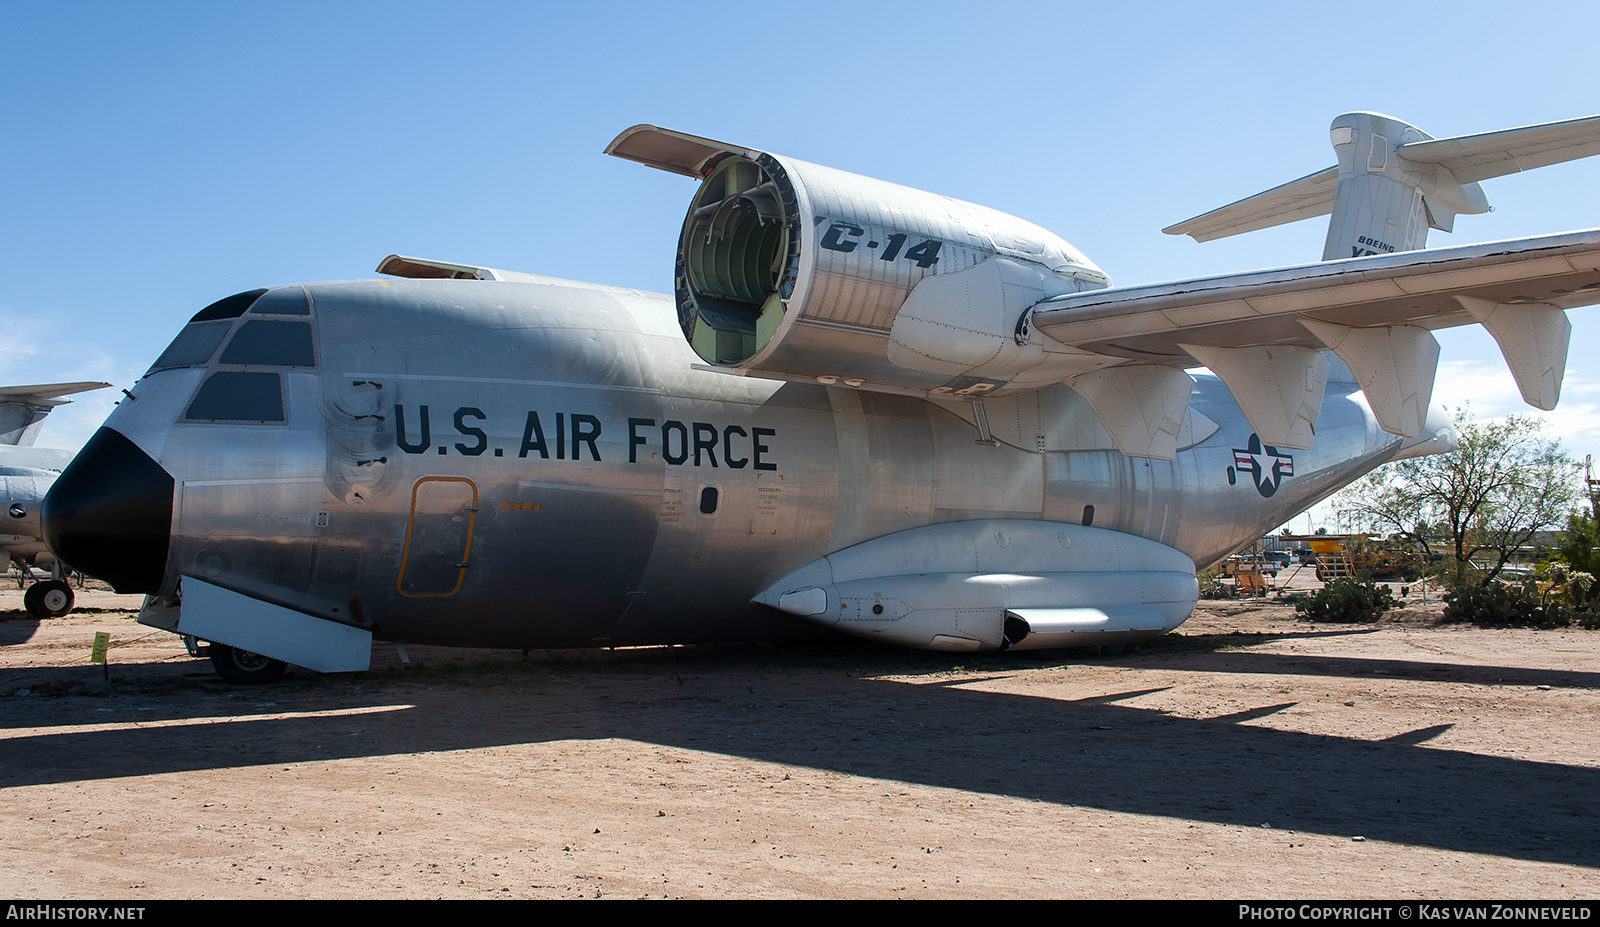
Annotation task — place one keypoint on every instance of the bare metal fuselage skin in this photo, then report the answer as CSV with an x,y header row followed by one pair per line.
x,y
496,464
25,475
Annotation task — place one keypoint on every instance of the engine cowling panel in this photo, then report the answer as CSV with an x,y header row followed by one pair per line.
x,y
796,271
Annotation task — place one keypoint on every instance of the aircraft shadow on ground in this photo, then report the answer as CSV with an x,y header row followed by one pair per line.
x,y
17,628
1101,752
1288,664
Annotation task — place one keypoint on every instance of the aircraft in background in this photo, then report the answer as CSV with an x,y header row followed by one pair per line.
x,y
864,408
26,474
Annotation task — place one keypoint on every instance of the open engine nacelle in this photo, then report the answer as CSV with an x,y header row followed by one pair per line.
x,y
795,271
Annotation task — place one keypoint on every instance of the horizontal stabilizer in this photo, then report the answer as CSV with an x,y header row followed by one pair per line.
x,y
1393,182
1495,154
1311,195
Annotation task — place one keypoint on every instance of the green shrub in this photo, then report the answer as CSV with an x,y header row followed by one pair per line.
x,y
1504,605
1347,600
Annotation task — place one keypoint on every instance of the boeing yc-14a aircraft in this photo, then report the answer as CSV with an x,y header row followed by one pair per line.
x,y
864,407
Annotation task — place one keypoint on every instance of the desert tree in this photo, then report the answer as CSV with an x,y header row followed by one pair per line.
x,y
1505,482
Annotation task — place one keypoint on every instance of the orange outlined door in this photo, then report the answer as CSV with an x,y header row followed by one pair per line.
x,y
444,510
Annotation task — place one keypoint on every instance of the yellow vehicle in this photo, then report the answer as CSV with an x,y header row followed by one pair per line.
x,y
1339,555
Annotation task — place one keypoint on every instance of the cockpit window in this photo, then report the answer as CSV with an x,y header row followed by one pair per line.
x,y
193,347
238,396
229,308
261,342
278,333
283,300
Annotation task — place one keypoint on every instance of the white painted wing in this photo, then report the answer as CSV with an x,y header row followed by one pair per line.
x,y
1311,195
1266,307
1493,154
48,394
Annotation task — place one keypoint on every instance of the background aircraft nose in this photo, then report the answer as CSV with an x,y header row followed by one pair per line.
x,y
109,514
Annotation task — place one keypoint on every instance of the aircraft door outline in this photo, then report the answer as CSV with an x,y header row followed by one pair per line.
x,y
428,553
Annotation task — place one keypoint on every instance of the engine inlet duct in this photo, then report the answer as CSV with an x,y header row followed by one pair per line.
x,y
796,271
738,259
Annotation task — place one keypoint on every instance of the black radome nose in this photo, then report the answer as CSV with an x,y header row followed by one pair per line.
x,y
109,514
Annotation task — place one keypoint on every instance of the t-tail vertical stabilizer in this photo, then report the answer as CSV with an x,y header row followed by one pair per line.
x,y
1394,181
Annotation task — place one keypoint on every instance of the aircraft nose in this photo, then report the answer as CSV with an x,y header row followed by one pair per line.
x,y
109,514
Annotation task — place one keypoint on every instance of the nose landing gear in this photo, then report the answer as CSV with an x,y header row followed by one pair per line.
x,y
241,667
49,598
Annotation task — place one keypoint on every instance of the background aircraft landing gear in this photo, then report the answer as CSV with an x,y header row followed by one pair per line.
x,y
50,598
244,668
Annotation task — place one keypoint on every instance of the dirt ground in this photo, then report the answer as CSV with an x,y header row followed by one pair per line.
x,y
1249,755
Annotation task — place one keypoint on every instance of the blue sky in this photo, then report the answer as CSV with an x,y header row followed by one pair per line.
x,y
159,156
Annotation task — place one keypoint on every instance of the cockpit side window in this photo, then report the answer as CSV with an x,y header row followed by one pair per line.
x,y
238,396
193,347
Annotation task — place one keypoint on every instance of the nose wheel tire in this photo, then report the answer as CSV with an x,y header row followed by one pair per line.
x,y
49,599
244,668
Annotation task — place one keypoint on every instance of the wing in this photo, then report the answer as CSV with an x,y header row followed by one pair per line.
x,y
48,394
1261,331
23,408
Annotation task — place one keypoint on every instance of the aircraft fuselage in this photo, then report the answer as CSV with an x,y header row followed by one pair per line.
x,y
521,465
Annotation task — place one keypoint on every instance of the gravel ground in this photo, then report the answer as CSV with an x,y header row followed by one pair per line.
x,y
1249,755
